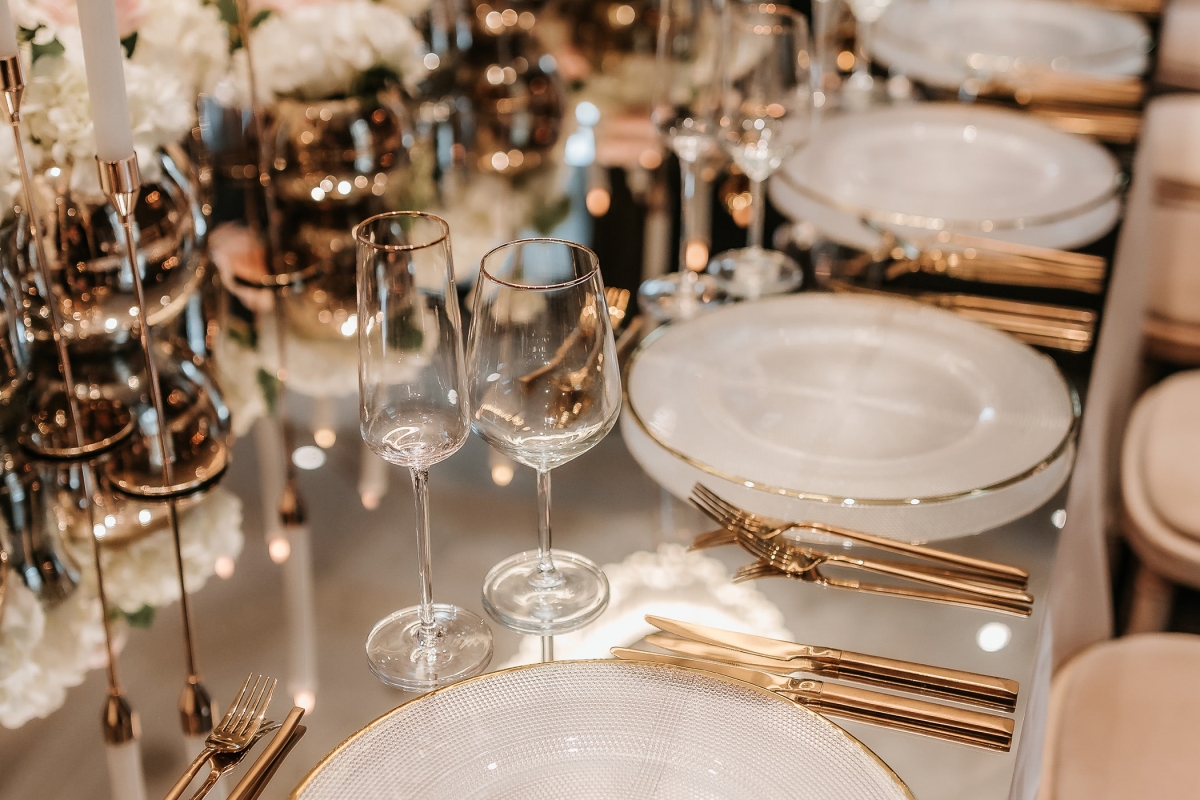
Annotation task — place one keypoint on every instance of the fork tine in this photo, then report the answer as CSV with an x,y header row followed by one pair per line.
x,y
725,512
246,704
251,708
225,720
744,518
260,705
754,571
716,538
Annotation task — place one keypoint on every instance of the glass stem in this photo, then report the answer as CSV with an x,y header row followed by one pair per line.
x,y
547,649
547,576
758,215
693,245
862,58
428,629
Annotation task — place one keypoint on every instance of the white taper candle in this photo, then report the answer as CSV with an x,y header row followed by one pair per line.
x,y
105,65
8,32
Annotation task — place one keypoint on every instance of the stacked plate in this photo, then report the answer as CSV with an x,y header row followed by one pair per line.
x,y
877,414
601,730
935,167
943,43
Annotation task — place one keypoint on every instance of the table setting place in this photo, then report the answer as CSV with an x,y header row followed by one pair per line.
x,y
799,303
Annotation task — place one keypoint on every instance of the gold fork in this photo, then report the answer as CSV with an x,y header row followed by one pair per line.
x,y
731,516
759,569
236,730
221,763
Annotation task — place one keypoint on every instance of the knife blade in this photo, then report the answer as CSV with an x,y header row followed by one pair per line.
x,y
845,664
712,652
914,716
270,754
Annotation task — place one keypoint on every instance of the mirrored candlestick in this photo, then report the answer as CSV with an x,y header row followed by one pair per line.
x,y
121,183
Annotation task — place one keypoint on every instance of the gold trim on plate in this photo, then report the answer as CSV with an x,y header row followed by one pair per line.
x,y
772,696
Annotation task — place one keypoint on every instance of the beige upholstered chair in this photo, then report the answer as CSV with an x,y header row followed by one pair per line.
x,y
1160,486
1125,722
1172,134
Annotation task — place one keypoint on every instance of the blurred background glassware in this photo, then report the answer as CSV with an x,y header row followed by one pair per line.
x,y
767,115
545,388
515,86
866,14
691,35
413,413
85,245
32,525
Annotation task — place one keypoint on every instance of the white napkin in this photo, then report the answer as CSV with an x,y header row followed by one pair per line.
x,y
1172,136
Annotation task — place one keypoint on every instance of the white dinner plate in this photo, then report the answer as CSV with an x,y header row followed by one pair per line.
x,y
931,167
875,413
594,730
931,40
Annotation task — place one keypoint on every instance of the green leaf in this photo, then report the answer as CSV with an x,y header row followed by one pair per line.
x,y
50,49
260,18
128,43
142,618
270,388
373,81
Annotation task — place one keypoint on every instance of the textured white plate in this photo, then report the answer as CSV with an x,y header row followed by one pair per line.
x,y
931,167
931,41
601,729
880,414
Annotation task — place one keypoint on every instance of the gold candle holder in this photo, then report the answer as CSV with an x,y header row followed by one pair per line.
x,y
121,182
120,722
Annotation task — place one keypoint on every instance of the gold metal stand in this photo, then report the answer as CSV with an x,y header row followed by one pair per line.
x,y
121,182
120,722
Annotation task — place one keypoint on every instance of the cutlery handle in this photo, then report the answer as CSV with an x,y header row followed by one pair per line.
x,y
1017,609
265,778
181,785
952,684
248,787
942,581
1009,574
917,716
206,787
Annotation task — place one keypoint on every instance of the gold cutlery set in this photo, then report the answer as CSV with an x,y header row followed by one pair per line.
x,y
772,664
230,742
948,578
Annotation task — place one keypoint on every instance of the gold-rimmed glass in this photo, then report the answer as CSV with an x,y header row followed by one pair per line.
x,y
545,388
413,413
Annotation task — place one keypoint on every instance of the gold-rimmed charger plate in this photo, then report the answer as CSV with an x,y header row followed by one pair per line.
x,y
601,729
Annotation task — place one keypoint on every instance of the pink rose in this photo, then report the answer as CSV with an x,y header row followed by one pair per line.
x,y
62,13
237,252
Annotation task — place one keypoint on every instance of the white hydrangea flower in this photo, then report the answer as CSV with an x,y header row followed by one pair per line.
x,y
188,34
44,652
143,572
316,51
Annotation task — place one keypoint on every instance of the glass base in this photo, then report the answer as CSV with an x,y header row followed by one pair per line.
x,y
753,272
675,296
512,596
462,648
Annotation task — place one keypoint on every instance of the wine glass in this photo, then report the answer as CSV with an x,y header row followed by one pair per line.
x,y
767,115
545,388
687,101
413,413
866,14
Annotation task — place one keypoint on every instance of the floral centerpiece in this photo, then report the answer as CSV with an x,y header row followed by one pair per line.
x,y
174,49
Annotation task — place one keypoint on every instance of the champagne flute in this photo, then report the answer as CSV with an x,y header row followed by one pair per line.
x,y
413,413
687,102
767,115
545,388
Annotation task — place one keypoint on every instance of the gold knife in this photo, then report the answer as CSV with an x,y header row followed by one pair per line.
x,y
267,761
257,788
901,713
966,687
